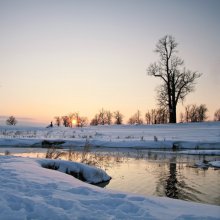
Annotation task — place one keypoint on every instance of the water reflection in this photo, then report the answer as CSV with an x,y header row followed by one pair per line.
x,y
178,182
152,173
171,189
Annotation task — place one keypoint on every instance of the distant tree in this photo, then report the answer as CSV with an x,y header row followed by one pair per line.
x,y
118,117
131,120
58,120
177,81
148,117
187,113
194,113
161,116
108,116
74,119
66,121
82,121
136,118
95,120
217,115
102,117
202,112
153,116
157,116
11,121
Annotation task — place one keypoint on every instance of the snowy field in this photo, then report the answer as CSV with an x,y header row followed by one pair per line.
x,y
183,136
29,191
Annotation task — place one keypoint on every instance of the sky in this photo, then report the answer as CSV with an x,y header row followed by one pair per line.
x,y
59,57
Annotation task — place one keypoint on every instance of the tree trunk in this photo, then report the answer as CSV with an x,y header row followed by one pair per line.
x,y
172,114
173,100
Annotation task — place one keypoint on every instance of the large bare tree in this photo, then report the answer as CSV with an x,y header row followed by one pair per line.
x,y
177,81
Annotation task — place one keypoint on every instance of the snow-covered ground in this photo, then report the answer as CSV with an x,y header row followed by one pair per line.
x,y
29,191
184,136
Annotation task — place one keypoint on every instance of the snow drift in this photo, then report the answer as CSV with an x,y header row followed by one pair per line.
x,y
81,171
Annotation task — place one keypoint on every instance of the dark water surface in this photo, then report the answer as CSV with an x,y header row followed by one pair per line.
x,y
152,173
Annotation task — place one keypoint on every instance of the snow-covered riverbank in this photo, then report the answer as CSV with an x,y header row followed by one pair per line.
x,y
184,136
29,191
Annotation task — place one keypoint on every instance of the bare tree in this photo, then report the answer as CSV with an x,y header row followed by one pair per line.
x,y
105,117
148,117
201,111
161,116
118,117
11,121
102,118
194,113
187,113
217,115
139,120
66,121
136,118
153,116
82,121
131,120
108,116
177,81
95,120
58,120
157,116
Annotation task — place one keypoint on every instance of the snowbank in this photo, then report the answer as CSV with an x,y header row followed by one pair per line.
x,y
81,171
29,191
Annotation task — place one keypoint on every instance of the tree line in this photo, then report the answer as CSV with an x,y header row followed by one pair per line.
x,y
103,117
192,113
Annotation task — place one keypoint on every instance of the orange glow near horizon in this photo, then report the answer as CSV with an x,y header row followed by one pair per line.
x,y
74,122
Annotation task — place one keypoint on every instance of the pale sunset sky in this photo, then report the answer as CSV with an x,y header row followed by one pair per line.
x,y
58,57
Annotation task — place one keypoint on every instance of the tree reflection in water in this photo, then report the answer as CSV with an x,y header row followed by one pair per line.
x,y
171,183
168,183
171,189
